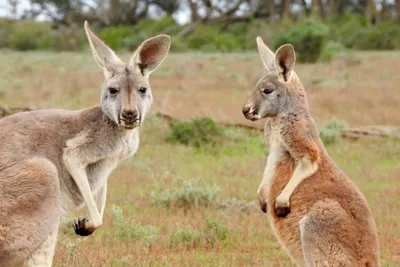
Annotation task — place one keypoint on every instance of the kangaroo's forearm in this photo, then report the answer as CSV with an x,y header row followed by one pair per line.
x,y
79,175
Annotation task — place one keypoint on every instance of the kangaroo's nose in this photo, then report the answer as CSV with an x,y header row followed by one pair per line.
x,y
129,114
245,109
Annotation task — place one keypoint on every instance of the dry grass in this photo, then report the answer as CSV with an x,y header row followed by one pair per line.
x,y
361,89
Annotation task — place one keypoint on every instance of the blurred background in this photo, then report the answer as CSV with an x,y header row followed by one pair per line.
x,y
205,25
188,197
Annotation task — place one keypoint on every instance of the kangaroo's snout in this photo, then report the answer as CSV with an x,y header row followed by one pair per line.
x,y
129,118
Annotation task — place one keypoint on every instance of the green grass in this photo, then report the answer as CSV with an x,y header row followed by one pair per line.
x,y
231,230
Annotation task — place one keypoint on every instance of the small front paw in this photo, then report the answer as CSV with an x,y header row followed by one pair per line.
x,y
262,199
282,207
83,227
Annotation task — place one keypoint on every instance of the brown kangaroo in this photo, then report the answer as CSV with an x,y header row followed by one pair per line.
x,y
54,161
317,213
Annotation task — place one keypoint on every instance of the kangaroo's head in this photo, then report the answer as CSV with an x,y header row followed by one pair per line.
x,y
126,95
279,90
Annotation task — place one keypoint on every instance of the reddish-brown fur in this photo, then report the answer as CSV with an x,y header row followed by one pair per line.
x,y
327,221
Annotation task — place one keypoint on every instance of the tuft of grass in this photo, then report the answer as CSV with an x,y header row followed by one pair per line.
x,y
198,132
191,194
126,231
185,237
331,132
216,233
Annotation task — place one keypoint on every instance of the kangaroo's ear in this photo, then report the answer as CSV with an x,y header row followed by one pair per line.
x,y
285,59
104,56
267,56
151,53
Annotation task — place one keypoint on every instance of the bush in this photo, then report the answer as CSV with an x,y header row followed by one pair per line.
x,y
211,38
130,37
5,31
113,36
69,38
197,132
308,38
331,133
354,31
31,35
186,237
191,194
216,232
329,50
126,231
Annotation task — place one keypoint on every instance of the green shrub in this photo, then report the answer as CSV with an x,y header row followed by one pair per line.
x,y
329,50
31,35
5,31
69,38
355,32
197,132
331,132
216,232
191,194
308,38
186,237
132,38
126,231
211,38
113,36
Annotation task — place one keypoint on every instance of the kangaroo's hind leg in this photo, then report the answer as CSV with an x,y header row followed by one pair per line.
x,y
323,233
29,209
43,256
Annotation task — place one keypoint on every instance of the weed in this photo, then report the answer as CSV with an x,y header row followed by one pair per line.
x,y
126,231
331,132
216,233
198,132
191,194
186,237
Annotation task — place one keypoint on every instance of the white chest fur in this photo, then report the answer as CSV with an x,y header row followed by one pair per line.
x,y
129,144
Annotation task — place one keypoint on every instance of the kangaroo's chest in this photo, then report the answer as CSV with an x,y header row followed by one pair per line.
x,y
98,172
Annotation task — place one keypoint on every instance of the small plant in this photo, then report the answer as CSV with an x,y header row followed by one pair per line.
x,y
216,232
126,231
330,134
191,194
308,38
30,35
197,132
186,237
69,38
329,50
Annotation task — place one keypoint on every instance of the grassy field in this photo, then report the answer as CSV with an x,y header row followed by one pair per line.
x,y
176,205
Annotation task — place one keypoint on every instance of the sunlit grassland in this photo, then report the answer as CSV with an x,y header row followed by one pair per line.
x,y
226,228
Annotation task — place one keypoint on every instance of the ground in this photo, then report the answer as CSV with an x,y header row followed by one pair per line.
x,y
225,228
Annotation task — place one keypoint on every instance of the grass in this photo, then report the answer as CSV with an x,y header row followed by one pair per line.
x,y
230,230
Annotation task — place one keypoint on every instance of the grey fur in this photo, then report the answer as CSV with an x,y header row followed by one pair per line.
x,y
54,161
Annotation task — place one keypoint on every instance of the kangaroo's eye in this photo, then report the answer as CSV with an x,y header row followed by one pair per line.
x,y
142,90
267,91
113,90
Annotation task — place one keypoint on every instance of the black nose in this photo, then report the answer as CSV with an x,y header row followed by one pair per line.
x,y
245,110
129,114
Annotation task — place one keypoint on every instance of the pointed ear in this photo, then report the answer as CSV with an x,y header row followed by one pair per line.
x,y
151,53
103,55
267,56
285,59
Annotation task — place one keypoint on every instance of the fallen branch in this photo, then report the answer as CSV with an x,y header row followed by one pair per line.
x,y
375,131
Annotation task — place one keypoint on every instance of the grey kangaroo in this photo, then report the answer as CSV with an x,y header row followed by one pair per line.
x,y
55,161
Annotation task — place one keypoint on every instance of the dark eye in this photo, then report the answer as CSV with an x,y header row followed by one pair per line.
x,y
112,90
142,90
267,91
